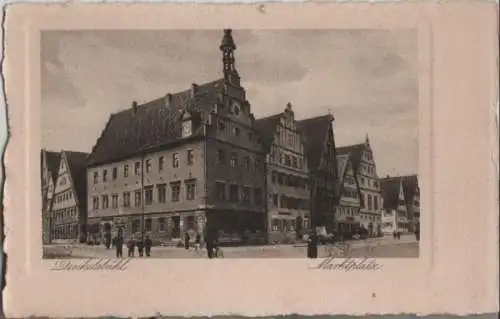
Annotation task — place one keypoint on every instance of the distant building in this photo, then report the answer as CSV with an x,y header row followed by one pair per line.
x,y
395,213
288,190
365,167
347,213
49,169
171,165
412,199
69,204
324,183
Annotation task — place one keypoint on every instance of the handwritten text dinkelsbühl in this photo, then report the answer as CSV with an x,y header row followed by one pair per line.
x,y
91,264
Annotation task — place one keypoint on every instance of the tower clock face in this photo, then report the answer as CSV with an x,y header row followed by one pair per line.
x,y
236,108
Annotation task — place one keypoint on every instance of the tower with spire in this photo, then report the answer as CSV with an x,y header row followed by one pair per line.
x,y
228,47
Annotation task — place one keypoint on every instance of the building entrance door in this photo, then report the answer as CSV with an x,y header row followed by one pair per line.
x,y
176,227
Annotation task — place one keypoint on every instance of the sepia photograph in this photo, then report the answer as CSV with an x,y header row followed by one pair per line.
x,y
253,160
225,143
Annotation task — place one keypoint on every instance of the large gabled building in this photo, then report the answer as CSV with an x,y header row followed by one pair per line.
x,y
366,170
347,213
169,166
320,155
69,202
412,199
287,185
395,212
49,169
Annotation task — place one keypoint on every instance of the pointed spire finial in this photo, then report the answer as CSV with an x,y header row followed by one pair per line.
x,y
367,140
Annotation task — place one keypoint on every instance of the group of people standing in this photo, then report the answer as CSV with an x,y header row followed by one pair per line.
x,y
142,247
396,235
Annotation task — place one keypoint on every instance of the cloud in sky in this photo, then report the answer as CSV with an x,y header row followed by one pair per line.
x,y
368,79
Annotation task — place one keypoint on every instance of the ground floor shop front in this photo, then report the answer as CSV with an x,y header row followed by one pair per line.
x,y
167,227
67,232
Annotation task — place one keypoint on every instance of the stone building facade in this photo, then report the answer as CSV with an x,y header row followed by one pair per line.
x,y
288,194
69,205
365,167
171,165
411,191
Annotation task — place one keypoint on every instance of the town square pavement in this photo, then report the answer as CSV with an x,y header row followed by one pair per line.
x,y
386,247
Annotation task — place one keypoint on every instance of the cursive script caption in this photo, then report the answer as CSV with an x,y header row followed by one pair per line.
x,y
91,265
349,264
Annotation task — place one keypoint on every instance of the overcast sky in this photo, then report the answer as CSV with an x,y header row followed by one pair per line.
x,y
367,79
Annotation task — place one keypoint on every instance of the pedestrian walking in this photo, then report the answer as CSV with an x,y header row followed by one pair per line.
x,y
186,240
312,246
197,242
209,243
398,235
119,247
394,234
131,247
140,247
148,243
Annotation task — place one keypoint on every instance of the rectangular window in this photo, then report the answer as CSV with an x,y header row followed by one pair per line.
x,y
115,173
257,196
95,202
125,170
300,163
161,224
222,126
176,191
236,131
190,190
257,165
246,162
220,157
105,175
220,189
190,157
275,200
246,195
96,177
148,200
162,193
175,160
148,165
294,162
369,202
138,199
291,140
375,202
126,199
114,201
288,160
148,225
190,222
234,159
161,161
137,168
105,202
234,193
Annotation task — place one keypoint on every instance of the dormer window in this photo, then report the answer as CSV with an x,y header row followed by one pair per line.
x,y
187,127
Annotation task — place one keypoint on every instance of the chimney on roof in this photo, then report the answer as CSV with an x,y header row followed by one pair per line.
x,y
168,99
134,106
194,89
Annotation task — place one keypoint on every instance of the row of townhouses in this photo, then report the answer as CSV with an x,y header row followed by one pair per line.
x,y
199,158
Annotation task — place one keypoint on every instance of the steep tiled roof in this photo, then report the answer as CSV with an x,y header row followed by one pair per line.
x,y
152,124
53,160
266,127
342,161
390,191
315,131
77,162
355,151
410,186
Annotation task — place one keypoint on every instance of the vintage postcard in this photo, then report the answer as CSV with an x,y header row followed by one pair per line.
x,y
320,158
